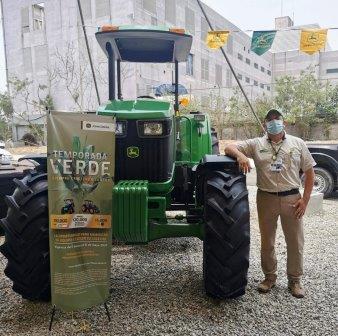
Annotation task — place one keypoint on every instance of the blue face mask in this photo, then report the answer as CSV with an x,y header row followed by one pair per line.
x,y
275,126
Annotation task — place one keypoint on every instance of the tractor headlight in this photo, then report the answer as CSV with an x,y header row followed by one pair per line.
x,y
153,128
121,128
159,128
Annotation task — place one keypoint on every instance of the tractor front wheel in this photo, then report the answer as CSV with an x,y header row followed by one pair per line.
x,y
226,235
26,245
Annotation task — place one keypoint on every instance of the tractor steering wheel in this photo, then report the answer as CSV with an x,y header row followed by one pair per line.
x,y
150,97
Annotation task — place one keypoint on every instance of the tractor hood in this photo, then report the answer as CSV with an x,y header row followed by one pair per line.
x,y
137,109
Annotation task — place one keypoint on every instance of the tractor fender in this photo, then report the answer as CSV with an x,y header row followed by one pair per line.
x,y
211,163
328,162
39,160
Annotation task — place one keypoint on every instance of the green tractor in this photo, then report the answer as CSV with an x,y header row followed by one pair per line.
x,y
164,162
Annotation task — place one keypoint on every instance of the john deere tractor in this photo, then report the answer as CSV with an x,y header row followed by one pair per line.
x,y
164,162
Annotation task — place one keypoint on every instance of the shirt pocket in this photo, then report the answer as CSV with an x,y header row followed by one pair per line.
x,y
295,158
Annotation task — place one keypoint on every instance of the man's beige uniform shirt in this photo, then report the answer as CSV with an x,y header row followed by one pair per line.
x,y
294,154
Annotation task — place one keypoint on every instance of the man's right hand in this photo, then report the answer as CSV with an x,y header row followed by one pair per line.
x,y
244,163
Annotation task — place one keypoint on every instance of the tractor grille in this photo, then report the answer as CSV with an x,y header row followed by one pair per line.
x,y
155,160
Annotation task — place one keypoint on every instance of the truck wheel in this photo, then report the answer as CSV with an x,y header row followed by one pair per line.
x,y
214,141
323,181
26,245
226,235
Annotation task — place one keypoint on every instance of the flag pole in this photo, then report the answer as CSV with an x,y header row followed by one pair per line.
x,y
232,69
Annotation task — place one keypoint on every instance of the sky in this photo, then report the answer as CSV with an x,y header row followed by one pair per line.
x,y
257,15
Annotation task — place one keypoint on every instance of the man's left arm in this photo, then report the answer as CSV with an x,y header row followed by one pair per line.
x,y
302,203
306,165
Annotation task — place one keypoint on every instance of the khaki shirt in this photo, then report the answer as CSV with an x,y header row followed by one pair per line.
x,y
294,154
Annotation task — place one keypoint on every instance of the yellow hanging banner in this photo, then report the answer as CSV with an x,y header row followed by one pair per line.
x,y
312,40
217,39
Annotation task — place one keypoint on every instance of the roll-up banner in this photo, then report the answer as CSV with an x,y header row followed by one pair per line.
x,y
81,160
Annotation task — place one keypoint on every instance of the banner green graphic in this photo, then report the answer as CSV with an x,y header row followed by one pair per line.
x,y
81,160
262,40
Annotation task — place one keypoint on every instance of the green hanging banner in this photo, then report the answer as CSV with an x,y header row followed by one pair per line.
x,y
262,40
81,159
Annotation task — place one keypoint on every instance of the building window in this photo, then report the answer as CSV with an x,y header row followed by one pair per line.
x,y
190,65
228,78
239,76
256,65
25,19
262,69
268,72
334,70
268,88
41,58
190,20
261,86
205,101
247,61
218,76
150,6
204,69
27,60
170,11
153,21
247,80
204,29
38,16
240,56
102,8
230,44
255,83
86,6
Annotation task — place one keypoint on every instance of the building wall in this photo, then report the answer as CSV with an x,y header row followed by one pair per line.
x,y
38,51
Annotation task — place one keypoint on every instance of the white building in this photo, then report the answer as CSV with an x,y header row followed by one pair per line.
x,y
44,43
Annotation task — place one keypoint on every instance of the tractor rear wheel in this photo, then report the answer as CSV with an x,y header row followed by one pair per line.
x,y
226,235
26,245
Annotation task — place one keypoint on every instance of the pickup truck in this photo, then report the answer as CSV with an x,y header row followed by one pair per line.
x,y
326,169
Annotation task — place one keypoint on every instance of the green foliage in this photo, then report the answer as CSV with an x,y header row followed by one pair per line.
x,y
306,102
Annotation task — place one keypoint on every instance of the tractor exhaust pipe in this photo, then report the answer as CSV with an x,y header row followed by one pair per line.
x,y
111,71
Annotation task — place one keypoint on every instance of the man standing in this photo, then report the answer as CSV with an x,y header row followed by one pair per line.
x,y
278,158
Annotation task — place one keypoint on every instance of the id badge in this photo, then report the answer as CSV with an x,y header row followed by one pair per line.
x,y
276,166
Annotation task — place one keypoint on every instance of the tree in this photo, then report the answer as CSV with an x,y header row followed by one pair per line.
x,y
23,92
299,100
6,112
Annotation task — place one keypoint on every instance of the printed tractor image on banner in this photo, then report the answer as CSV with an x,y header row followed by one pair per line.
x,y
81,151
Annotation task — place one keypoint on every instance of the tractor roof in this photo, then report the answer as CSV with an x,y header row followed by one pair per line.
x,y
146,44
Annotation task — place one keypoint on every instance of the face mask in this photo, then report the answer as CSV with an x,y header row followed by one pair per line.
x,y
275,126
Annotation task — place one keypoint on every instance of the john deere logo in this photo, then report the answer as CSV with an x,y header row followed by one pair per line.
x,y
133,152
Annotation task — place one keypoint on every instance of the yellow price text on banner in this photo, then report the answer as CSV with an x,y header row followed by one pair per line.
x,y
80,221
217,39
312,40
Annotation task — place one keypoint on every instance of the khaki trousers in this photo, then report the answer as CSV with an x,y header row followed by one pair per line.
x,y
270,207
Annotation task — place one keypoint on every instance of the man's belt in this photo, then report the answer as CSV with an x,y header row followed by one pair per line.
x,y
283,193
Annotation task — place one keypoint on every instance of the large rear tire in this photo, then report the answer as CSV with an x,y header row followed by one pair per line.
x,y
226,236
26,245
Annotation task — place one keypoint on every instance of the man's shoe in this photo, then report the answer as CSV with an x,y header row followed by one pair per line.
x,y
296,289
267,284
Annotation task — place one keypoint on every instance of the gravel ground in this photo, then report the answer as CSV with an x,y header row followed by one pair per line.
x,y
157,290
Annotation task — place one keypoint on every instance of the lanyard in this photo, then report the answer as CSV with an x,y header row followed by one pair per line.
x,y
275,152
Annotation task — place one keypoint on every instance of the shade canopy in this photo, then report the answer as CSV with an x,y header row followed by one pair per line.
x,y
169,89
146,45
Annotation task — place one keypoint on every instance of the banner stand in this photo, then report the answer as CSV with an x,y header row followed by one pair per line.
x,y
52,315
